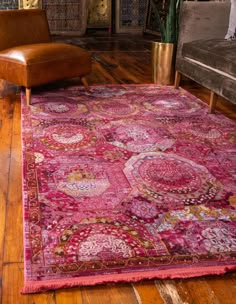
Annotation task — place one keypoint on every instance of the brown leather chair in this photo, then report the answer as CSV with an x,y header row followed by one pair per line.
x,y
29,58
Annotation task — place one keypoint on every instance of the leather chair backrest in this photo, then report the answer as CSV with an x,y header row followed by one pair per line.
x,y
20,27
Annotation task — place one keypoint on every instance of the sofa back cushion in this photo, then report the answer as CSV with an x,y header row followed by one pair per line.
x,y
231,33
21,27
202,20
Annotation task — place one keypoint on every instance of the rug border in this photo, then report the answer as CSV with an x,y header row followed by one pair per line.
x,y
43,286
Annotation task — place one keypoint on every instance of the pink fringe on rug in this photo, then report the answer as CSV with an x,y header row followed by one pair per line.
x,y
34,287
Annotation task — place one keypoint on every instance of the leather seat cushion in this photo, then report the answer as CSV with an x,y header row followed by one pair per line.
x,y
216,53
36,64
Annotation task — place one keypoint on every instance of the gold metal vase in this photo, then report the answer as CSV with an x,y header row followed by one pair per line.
x,y
163,62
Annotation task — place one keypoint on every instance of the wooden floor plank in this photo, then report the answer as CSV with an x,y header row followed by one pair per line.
x,y
224,288
12,284
168,292
126,67
13,229
109,294
100,75
198,291
147,293
69,296
6,109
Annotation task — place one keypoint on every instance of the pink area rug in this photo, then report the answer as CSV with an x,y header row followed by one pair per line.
x,y
127,182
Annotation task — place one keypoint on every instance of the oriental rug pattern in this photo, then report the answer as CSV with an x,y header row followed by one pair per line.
x,y
124,183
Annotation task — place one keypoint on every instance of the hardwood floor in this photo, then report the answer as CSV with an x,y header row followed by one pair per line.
x,y
118,59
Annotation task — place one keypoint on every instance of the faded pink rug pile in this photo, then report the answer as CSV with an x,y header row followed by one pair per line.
x,y
124,183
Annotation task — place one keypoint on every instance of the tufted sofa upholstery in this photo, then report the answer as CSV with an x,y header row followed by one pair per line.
x,y
28,57
203,54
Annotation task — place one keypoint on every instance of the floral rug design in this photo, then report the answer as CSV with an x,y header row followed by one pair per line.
x,y
124,183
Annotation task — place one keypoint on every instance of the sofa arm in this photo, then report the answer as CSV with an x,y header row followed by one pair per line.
x,y
202,20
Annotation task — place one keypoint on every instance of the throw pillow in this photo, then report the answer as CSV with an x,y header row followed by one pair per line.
x,y
231,34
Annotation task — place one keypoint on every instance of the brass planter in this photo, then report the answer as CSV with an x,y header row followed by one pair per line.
x,y
163,62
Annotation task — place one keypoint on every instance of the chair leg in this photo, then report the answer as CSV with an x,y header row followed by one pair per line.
x,y
177,79
85,83
28,96
213,100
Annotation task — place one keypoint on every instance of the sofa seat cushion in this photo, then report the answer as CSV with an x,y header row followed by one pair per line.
x,y
218,54
36,64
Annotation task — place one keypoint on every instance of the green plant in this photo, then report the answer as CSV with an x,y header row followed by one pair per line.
x,y
169,28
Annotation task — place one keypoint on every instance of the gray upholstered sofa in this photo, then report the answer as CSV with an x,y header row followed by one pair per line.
x,y
203,54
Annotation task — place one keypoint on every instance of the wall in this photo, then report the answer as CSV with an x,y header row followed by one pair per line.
x,y
66,16
8,4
